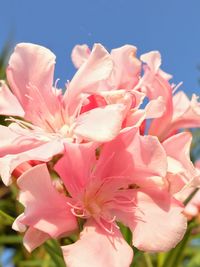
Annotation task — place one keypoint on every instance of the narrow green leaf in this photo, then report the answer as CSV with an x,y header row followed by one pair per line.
x,y
10,239
36,263
5,218
55,252
126,232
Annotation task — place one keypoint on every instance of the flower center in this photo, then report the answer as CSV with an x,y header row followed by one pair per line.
x,y
94,208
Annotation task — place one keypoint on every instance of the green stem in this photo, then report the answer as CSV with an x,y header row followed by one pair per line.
x,y
160,259
148,260
191,196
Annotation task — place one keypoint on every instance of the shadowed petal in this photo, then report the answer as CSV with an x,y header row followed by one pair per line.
x,y
97,68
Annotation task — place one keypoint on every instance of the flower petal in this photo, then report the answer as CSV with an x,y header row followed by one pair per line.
x,y
100,124
160,222
43,152
155,84
97,68
156,219
180,166
97,248
152,59
30,64
80,55
76,165
33,238
155,108
141,158
126,67
186,113
42,202
11,142
9,105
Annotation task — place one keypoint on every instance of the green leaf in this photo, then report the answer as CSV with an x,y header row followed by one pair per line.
x,y
5,219
36,263
126,232
54,250
10,239
195,261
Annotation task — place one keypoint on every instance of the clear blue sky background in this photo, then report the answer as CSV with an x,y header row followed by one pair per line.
x,y
170,26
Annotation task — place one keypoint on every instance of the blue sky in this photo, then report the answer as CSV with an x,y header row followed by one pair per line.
x,y
171,26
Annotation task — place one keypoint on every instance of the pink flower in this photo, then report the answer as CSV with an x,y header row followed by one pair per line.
x,y
102,90
126,66
52,118
122,84
179,112
126,184
182,176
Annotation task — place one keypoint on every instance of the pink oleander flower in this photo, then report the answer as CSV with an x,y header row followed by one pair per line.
x,y
52,118
125,77
170,113
103,90
182,176
126,184
179,112
127,67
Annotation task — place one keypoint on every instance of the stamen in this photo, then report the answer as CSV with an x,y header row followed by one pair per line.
x,y
110,224
29,97
78,211
34,131
177,87
56,83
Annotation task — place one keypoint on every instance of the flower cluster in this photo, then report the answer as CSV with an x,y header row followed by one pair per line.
x,y
110,150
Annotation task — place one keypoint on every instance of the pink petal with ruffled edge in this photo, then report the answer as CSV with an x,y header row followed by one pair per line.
x,y
141,158
127,67
155,219
80,55
182,172
97,68
160,222
97,248
186,113
45,208
153,60
177,149
155,84
31,65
